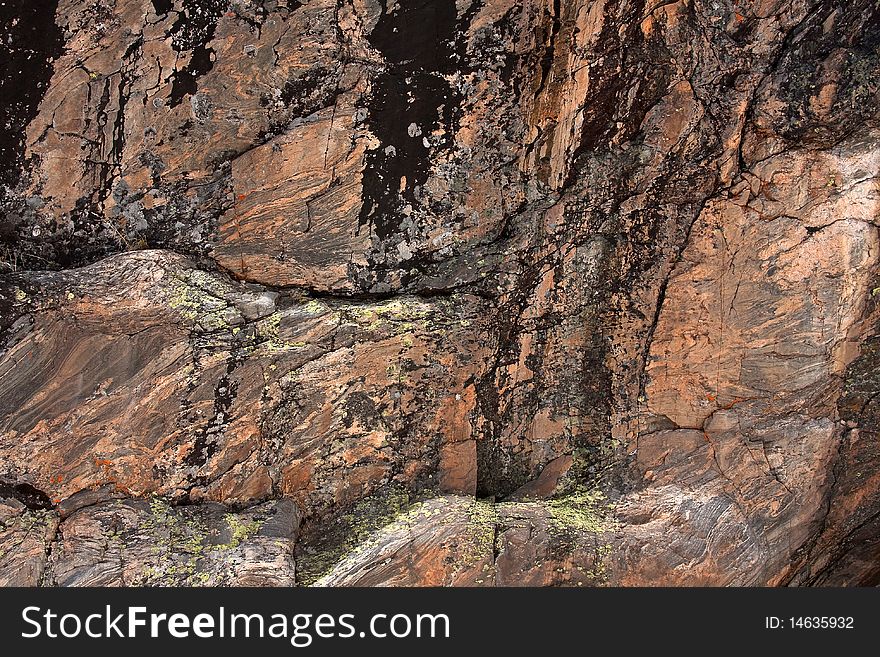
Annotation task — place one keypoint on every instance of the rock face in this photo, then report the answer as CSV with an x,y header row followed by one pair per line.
x,y
440,292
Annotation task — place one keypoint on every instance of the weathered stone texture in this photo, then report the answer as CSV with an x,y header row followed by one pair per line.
x,y
441,292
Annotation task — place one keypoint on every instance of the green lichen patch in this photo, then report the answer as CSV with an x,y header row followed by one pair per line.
x,y
350,532
581,511
482,527
241,531
315,307
185,550
178,546
402,309
267,331
396,316
198,305
30,524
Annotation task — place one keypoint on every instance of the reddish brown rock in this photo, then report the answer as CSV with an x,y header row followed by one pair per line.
x,y
183,383
551,293
458,467
308,214
25,537
459,541
148,543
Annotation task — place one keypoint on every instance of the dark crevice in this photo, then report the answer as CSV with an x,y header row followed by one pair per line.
x,y
206,443
33,498
192,31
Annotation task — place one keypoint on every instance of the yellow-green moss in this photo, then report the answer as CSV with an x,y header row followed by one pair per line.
x,y
581,510
178,546
181,549
350,532
241,531
315,307
482,524
196,305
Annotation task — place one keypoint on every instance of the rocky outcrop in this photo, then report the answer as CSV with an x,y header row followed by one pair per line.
x,y
440,293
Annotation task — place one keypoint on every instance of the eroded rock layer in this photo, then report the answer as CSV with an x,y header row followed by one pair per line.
x,y
449,292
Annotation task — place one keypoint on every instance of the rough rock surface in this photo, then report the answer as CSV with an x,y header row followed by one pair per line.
x,y
448,292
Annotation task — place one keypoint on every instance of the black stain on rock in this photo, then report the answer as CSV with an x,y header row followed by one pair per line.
x,y
206,443
30,41
409,101
405,109
162,7
417,33
836,48
359,407
193,30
